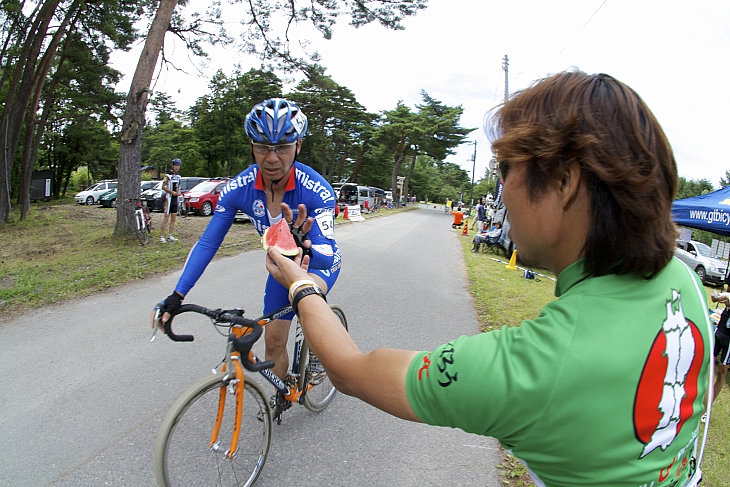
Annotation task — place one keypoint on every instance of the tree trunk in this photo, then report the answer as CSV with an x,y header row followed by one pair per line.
x,y
340,165
331,170
30,145
18,98
400,155
356,167
323,168
130,147
407,182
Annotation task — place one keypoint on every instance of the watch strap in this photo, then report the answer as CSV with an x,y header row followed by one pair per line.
x,y
304,292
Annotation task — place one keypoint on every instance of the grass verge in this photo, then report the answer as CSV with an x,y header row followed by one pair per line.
x,y
503,297
63,251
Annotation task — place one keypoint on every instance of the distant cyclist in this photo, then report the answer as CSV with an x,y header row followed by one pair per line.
x,y
171,186
276,180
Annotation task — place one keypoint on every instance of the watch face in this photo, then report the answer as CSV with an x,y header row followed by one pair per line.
x,y
311,290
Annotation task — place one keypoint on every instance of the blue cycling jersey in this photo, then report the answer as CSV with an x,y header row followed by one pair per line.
x,y
246,193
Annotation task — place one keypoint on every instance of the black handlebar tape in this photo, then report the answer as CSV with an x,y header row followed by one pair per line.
x,y
173,336
217,314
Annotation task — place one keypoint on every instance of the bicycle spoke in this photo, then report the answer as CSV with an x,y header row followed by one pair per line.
x,y
183,453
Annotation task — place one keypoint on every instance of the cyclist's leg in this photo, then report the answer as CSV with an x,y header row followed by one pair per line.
x,y
172,211
166,211
276,332
276,335
173,217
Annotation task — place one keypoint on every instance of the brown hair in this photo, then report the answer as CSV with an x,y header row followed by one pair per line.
x,y
626,163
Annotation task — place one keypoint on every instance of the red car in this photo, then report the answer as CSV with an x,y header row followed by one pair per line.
x,y
203,197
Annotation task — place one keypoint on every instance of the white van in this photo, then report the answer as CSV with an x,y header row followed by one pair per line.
x,y
352,194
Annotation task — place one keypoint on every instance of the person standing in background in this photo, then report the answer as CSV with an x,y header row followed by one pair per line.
x,y
171,186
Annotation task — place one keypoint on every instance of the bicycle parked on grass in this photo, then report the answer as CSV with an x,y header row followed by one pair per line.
x,y
219,431
142,221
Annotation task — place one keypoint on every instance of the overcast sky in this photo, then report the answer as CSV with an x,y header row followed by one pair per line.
x,y
676,55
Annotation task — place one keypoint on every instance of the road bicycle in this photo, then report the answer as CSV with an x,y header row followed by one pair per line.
x,y
182,207
219,431
142,221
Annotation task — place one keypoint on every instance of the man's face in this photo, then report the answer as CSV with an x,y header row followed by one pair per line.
x,y
534,225
275,164
175,168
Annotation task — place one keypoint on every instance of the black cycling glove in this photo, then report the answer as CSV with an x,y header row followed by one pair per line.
x,y
299,238
172,303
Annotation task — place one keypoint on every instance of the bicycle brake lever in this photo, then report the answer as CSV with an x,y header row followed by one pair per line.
x,y
243,346
157,315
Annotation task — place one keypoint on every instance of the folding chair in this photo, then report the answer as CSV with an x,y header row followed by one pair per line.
x,y
490,245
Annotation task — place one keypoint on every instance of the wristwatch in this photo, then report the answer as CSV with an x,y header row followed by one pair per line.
x,y
303,292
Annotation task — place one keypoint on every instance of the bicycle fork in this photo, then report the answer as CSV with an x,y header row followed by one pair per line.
x,y
235,386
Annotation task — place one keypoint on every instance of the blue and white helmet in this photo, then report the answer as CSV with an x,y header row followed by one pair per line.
x,y
276,121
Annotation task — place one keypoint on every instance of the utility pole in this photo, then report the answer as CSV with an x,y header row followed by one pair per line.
x,y
473,169
505,67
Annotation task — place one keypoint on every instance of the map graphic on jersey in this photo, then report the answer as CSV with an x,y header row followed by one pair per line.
x,y
668,385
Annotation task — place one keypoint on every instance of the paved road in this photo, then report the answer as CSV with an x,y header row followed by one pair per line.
x,y
83,391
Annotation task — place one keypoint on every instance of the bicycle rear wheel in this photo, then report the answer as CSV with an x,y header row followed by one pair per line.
x,y
141,228
311,373
183,455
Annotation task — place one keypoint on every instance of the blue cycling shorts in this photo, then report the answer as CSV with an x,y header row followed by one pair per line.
x,y
276,296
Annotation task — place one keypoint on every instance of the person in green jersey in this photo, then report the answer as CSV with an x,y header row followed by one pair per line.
x,y
606,386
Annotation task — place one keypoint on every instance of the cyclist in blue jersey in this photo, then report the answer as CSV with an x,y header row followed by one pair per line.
x,y
275,185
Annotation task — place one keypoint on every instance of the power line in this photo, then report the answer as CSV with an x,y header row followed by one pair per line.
x,y
582,27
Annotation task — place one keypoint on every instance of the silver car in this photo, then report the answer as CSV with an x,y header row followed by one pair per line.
x,y
91,195
700,257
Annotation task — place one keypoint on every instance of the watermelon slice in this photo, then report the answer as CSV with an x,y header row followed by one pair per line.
x,y
279,236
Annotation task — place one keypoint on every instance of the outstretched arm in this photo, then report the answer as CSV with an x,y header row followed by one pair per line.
x,y
378,377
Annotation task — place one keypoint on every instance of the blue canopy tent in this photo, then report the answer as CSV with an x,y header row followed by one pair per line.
x,y
709,212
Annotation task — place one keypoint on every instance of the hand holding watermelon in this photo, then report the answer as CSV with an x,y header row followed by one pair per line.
x,y
286,270
288,237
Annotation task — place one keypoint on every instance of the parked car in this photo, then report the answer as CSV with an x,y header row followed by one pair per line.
x,y
155,197
202,198
699,256
91,195
109,199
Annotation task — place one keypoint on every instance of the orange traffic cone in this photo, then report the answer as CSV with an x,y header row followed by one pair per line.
x,y
512,261
465,231
344,215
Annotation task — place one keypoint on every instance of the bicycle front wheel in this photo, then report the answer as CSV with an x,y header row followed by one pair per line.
x,y
184,455
141,228
313,380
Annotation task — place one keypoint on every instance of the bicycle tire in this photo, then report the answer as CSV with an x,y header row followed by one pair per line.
x,y
322,392
183,456
141,229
